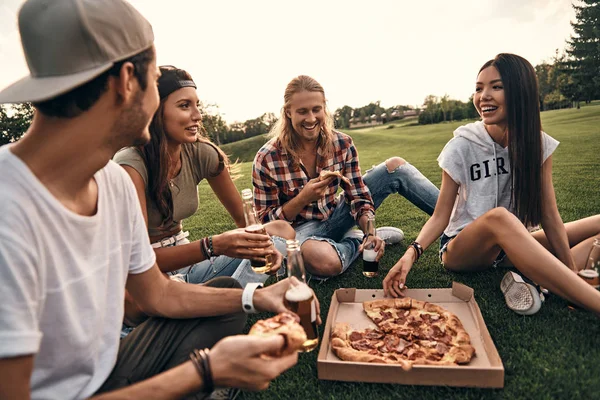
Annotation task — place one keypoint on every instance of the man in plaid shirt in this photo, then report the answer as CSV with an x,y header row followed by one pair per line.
x,y
287,186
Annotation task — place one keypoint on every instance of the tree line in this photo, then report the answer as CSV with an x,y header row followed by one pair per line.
x,y
572,76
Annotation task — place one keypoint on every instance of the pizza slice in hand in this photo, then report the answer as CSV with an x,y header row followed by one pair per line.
x,y
286,325
325,174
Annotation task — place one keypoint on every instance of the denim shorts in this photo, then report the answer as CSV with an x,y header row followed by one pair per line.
x,y
445,240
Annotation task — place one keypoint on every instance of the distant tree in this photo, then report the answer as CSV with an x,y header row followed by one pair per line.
x,y
445,105
342,117
216,128
14,121
546,86
583,50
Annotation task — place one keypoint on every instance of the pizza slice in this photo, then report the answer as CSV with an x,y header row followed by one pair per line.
x,y
325,174
369,345
284,324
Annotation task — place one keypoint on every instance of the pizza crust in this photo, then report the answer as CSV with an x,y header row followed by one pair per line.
x,y
333,174
284,324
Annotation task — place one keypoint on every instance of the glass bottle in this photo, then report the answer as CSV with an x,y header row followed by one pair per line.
x,y
253,225
592,267
370,263
299,297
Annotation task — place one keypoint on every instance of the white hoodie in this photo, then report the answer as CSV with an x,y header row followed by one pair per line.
x,y
481,168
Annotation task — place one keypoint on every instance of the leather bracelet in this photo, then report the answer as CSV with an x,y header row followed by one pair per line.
x,y
196,362
248,296
209,384
418,250
203,248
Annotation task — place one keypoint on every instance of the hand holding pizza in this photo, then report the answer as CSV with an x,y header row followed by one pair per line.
x,y
395,280
314,190
238,361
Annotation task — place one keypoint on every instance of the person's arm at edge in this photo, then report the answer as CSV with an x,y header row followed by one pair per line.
x,y
552,223
159,296
15,377
430,232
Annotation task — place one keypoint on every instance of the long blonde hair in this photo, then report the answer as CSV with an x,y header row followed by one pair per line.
x,y
283,131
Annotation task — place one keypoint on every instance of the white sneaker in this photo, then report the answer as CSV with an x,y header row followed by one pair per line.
x,y
389,234
521,297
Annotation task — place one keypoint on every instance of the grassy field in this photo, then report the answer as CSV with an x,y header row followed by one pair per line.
x,y
554,354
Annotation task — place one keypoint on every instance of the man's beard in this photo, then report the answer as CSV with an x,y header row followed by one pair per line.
x,y
131,128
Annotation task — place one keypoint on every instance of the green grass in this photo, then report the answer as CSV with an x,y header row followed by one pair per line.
x,y
554,354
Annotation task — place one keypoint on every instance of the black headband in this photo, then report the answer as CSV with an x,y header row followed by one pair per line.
x,y
170,82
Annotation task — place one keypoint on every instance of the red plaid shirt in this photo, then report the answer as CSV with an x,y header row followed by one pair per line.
x,y
276,182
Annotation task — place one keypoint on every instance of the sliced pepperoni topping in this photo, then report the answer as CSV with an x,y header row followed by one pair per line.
x,y
374,334
441,348
356,336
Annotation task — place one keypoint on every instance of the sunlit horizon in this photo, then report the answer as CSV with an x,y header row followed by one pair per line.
x,y
242,54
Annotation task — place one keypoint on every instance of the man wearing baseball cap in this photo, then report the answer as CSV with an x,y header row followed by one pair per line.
x,y
72,234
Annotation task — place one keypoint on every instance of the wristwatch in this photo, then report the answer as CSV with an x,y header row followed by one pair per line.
x,y
248,295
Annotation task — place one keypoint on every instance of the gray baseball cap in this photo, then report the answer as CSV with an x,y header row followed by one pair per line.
x,y
70,42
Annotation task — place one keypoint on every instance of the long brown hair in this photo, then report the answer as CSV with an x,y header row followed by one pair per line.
x,y
283,130
524,127
157,157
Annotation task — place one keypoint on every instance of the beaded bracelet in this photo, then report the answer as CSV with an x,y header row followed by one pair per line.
x,y
211,250
418,250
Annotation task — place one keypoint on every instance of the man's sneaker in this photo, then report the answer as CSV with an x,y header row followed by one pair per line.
x,y
224,394
389,234
521,297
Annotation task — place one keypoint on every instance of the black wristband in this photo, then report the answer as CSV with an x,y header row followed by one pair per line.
x,y
418,250
209,385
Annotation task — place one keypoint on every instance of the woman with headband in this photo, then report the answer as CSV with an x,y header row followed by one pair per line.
x,y
166,172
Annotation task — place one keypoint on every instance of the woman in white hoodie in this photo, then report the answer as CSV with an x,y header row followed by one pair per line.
x,y
496,188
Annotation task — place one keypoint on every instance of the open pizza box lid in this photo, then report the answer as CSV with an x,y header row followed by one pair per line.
x,y
485,369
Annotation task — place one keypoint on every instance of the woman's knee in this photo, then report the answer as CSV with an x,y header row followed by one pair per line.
x,y
500,217
320,258
393,163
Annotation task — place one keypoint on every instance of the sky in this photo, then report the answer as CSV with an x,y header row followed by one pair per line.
x,y
242,53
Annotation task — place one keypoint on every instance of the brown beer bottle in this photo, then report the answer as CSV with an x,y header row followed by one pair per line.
x,y
299,297
370,265
253,225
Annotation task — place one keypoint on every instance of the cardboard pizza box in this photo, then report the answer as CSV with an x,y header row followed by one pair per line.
x,y
485,369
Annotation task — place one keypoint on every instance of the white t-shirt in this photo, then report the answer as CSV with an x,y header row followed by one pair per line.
x,y
481,168
62,277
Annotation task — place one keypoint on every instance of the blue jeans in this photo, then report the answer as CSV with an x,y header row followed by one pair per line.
x,y
405,180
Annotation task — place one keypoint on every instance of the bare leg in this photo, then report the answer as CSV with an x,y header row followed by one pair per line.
x,y
320,258
480,242
581,234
